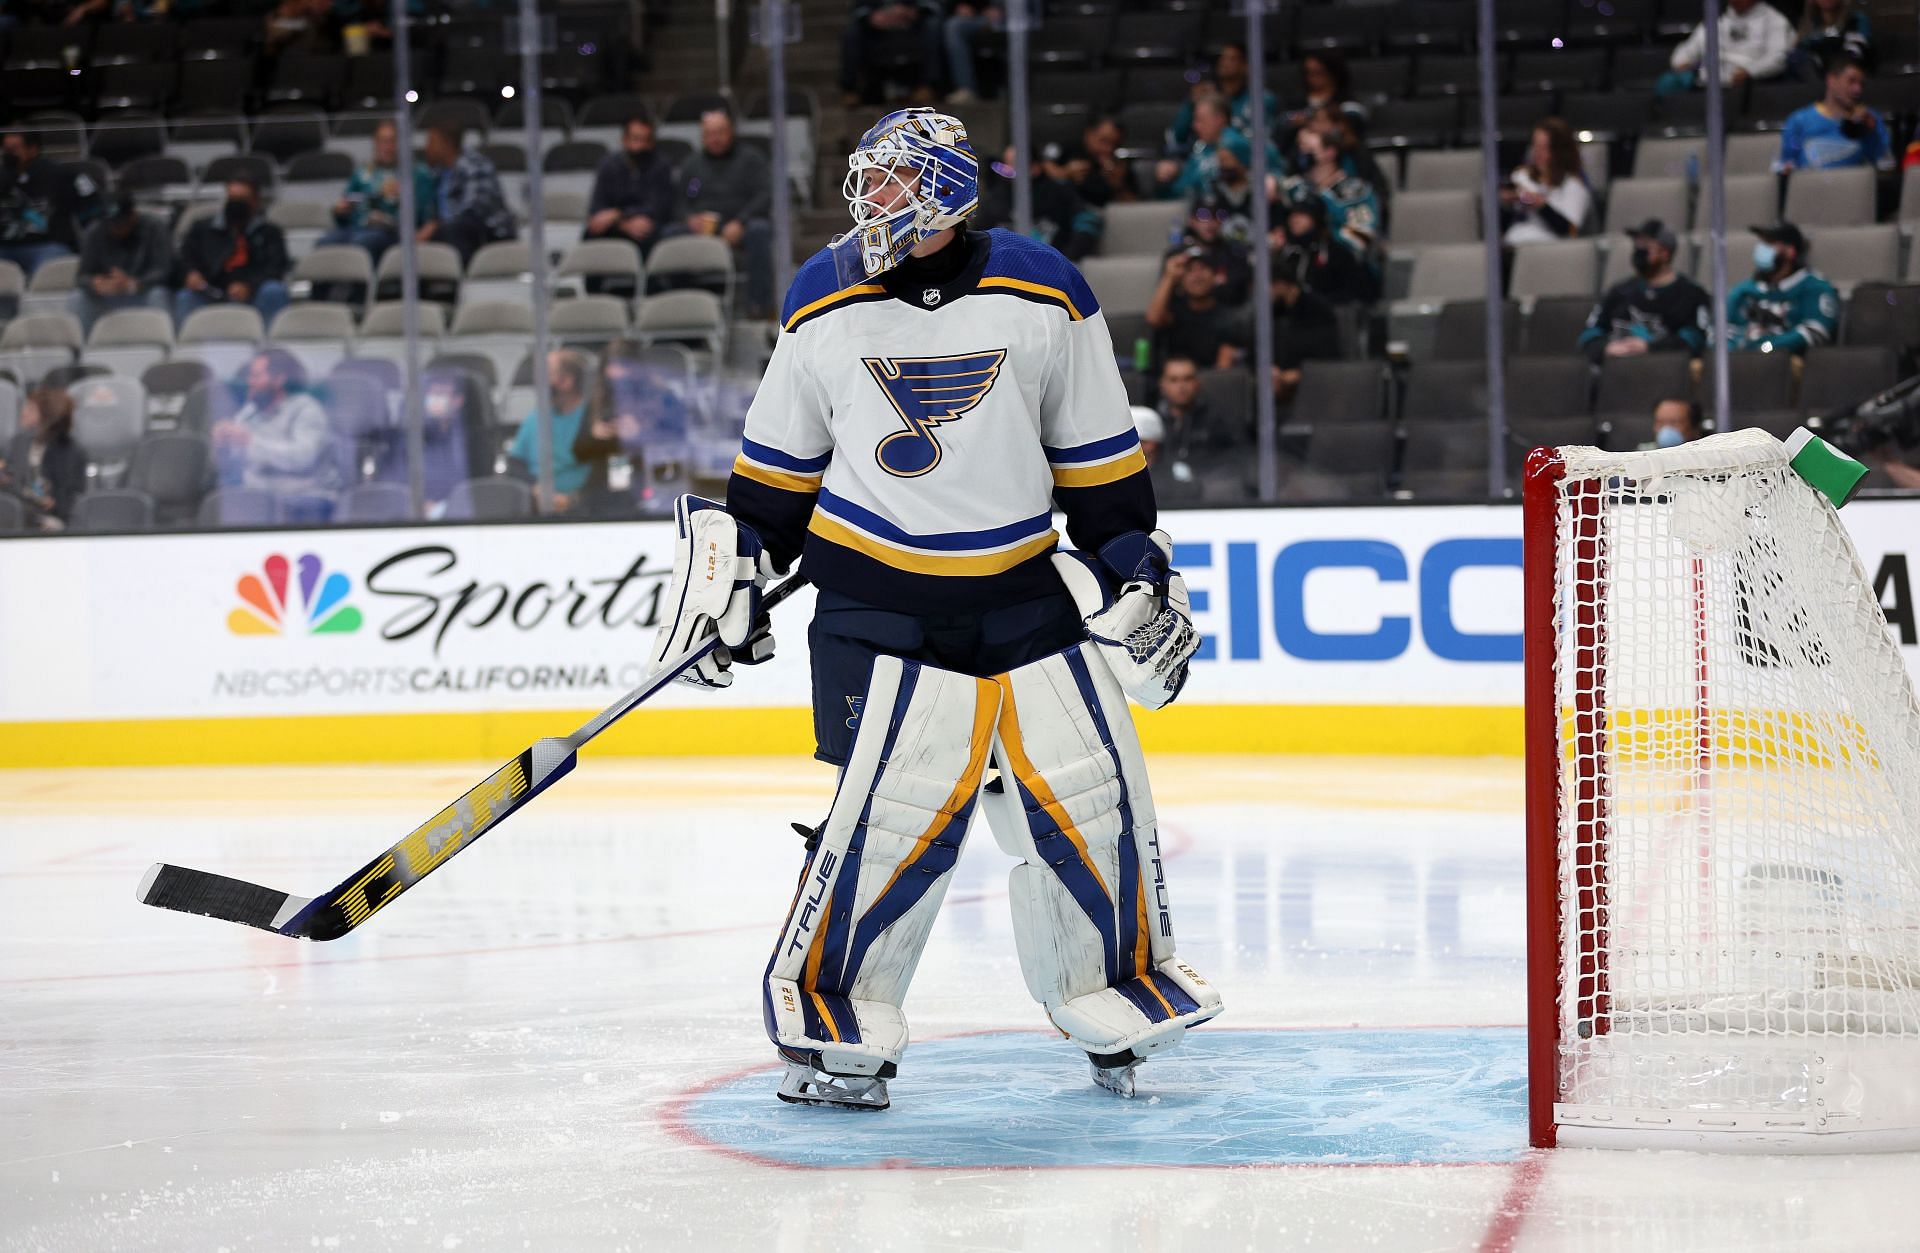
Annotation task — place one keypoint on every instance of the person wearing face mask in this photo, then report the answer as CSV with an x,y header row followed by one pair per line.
x,y
1675,422
1838,131
125,261
1321,173
633,193
1784,307
237,257
1328,269
1657,310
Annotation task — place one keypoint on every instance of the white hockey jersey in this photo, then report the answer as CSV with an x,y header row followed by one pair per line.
x,y
910,442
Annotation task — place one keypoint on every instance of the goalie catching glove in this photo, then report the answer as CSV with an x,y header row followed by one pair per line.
x,y
1145,632
719,569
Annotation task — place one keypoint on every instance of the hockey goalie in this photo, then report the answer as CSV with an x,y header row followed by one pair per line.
x,y
934,393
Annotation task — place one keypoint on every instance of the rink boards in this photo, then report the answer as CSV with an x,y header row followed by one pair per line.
x,y
1393,629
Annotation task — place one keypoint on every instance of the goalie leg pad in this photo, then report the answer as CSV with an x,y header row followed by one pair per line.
x,y
1090,913
873,884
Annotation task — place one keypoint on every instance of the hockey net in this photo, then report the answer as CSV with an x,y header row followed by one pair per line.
x,y
1724,810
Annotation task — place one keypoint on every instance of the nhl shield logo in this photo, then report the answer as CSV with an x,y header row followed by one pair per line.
x,y
930,297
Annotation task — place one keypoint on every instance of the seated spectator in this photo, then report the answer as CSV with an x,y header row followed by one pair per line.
x,y
1195,441
1330,270
367,215
44,468
1353,213
964,28
1346,125
1179,177
1231,82
125,262
1830,30
1839,130
453,442
1305,327
1784,307
1095,168
1206,228
470,206
567,400
1188,316
897,39
1755,41
1173,482
1675,422
633,194
42,204
726,190
1060,217
1659,309
650,424
1548,197
1229,193
238,257
280,440
1329,86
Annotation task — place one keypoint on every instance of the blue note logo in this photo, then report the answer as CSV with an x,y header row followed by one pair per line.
x,y
926,391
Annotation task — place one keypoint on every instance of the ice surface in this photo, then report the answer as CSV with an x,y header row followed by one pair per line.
x,y
555,1043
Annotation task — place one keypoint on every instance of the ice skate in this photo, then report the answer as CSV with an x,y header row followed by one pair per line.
x,y
1115,1079
803,1085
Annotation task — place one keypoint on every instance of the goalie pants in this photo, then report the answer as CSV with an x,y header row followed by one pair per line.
x,y
919,732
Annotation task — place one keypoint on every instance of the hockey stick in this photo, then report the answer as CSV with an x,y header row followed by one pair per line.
x,y
367,890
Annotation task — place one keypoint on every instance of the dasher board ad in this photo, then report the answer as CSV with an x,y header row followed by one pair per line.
x,y
1376,606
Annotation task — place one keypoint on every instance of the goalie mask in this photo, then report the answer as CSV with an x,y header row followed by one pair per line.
x,y
910,177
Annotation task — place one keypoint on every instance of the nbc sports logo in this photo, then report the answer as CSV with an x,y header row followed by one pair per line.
x,y
265,608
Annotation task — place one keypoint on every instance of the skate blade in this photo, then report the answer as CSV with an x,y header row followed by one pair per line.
x,y
833,1102
835,1090
1117,1080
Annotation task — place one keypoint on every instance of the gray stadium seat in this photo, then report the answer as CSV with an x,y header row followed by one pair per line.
x,y
1884,314
1910,194
109,416
1446,216
334,272
692,261
1631,386
118,509
1340,393
604,267
13,515
382,332
1739,257
566,217
496,329
1750,153
1566,267
1837,378
1850,255
9,410
175,469
319,334
376,502
500,271
33,344
588,320
438,267
13,285
127,341
1548,387
1752,199
1454,169
223,336
684,316
303,222
1443,272
1445,391
1829,197
239,506
1358,454
1460,331
497,499
50,286
1632,201
1756,381
1143,229
168,385
1122,284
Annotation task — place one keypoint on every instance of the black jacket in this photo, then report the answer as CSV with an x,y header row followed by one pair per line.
x,y
44,202
63,471
212,248
634,185
147,254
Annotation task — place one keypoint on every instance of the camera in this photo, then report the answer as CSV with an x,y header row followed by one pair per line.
x,y
1892,417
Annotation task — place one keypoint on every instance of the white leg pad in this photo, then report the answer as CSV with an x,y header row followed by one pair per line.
x,y
1090,912
873,885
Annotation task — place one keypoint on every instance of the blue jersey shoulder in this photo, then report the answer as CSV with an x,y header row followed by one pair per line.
x,y
815,279
1014,256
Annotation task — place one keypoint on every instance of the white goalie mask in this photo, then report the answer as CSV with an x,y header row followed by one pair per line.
x,y
910,177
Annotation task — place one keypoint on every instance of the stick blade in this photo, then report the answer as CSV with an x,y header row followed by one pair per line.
x,y
191,891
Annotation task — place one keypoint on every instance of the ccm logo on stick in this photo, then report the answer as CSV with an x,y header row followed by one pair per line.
x,y
1388,635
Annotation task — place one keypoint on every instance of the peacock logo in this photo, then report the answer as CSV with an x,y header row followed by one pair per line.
x,y
266,609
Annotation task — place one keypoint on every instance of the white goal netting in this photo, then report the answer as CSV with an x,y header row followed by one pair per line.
x,y
1738,840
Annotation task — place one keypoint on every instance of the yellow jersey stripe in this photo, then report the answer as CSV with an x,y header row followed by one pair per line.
x,y
833,298
1038,289
1030,778
1120,467
835,532
782,479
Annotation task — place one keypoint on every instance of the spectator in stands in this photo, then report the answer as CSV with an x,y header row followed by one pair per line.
x,y
1346,125
1657,310
1755,40
44,467
1095,168
298,26
891,40
1305,327
470,205
1060,217
1188,316
964,27
567,399
125,262
1231,83
1829,30
1230,190
1329,86
280,440
1331,270
1675,422
1173,482
1548,197
1178,177
1196,440
367,214
238,257
726,190
637,414
452,443
42,204
1206,229
633,193
1353,213
1784,307
1839,130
